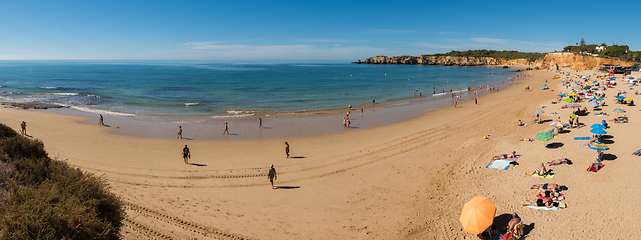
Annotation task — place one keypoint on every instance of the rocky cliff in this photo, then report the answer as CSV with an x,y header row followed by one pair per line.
x,y
575,62
555,61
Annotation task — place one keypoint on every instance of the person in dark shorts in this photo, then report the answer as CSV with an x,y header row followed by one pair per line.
x,y
101,122
260,122
272,175
180,132
186,154
226,129
23,126
287,149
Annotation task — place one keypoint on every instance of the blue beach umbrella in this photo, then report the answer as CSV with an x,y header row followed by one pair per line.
x,y
597,126
612,79
620,97
586,87
600,99
544,85
594,82
595,88
598,131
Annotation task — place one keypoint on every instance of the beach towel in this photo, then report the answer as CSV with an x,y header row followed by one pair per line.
x,y
500,164
551,114
599,114
581,138
549,175
543,208
593,169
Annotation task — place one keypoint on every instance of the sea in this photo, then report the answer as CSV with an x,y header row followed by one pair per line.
x,y
172,90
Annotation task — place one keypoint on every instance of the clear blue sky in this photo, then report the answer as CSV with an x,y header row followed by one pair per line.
x,y
303,30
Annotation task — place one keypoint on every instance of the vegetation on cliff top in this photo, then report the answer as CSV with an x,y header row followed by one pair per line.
x,y
41,198
603,50
531,56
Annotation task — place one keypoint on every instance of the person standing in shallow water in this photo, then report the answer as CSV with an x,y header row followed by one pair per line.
x,y
272,175
287,149
186,154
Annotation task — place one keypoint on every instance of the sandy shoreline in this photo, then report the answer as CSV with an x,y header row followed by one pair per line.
x,y
397,181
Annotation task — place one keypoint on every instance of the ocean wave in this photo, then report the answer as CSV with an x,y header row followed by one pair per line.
x,y
191,104
239,112
99,111
233,116
64,94
49,87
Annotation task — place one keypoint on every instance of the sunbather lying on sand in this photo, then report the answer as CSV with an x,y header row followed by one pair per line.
x,y
546,186
548,195
505,156
539,203
542,171
527,140
520,124
513,222
559,162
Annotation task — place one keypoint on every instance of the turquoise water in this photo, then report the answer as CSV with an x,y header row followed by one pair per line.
x,y
225,89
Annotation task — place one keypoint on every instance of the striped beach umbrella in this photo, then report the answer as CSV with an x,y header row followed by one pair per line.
x,y
598,146
556,124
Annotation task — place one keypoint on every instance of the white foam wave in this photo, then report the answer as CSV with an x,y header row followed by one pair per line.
x,y
239,112
438,94
49,87
191,104
105,112
64,94
233,116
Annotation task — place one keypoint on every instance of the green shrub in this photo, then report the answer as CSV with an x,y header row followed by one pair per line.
x,y
47,199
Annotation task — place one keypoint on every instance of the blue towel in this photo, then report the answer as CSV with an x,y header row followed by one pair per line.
x,y
499,164
581,138
543,208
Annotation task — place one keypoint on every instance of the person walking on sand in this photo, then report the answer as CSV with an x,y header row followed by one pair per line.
x,y
101,122
23,127
476,101
260,122
287,149
180,132
186,154
226,129
272,175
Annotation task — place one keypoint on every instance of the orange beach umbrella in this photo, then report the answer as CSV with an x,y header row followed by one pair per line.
x,y
478,214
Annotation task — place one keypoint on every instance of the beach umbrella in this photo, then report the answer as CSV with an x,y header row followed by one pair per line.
x,y
572,116
598,146
612,79
594,82
586,87
539,112
477,214
569,100
623,94
556,125
594,104
544,136
627,99
544,85
574,105
631,86
595,88
600,99
620,97
599,92
598,131
572,94
597,126
632,78
618,110
561,95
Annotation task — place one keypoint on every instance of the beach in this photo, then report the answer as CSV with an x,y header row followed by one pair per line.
x,y
403,180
